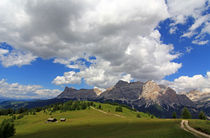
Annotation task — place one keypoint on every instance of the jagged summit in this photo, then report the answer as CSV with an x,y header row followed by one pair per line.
x,y
82,94
150,91
121,83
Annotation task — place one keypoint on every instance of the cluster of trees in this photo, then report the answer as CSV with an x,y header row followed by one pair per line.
x,y
7,128
69,106
122,105
10,111
187,115
19,111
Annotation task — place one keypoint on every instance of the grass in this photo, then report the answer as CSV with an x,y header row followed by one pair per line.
x,y
201,125
91,123
126,112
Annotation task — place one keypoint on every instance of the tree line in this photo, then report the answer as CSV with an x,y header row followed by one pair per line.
x,y
185,114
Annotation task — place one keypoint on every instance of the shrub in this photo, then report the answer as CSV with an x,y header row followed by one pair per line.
x,y
14,117
7,129
118,109
138,116
20,116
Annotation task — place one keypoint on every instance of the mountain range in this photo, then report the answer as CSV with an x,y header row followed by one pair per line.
x,y
159,100
148,96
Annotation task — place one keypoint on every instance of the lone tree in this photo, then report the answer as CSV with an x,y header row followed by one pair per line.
x,y
7,128
99,106
174,115
186,113
202,115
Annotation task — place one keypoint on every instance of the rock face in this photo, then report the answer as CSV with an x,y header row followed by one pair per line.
x,y
149,96
123,91
151,91
82,94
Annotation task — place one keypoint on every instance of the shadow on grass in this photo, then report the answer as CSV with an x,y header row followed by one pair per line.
x,y
113,130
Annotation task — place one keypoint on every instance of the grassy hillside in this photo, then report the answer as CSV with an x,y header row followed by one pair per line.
x,y
201,125
93,122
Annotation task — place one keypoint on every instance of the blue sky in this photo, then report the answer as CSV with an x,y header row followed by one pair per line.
x,y
93,45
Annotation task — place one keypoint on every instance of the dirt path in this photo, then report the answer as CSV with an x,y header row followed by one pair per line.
x,y
186,127
107,113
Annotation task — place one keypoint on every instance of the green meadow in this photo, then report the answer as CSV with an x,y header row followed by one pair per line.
x,y
93,122
201,125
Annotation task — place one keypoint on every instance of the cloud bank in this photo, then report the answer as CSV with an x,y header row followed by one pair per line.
x,y
18,91
186,83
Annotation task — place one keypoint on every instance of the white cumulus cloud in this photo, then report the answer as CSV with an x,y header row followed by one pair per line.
x,y
181,10
186,83
121,35
16,58
18,91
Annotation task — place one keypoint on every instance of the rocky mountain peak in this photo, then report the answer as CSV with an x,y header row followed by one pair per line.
x,y
150,91
82,94
97,91
151,85
121,83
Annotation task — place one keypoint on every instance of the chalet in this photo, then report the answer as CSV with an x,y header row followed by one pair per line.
x,y
62,119
51,120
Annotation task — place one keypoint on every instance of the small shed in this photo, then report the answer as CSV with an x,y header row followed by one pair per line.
x,y
51,120
62,119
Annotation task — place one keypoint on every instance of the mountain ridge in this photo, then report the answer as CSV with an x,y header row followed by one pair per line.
x,y
143,96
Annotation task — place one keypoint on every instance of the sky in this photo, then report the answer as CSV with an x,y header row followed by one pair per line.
x,y
46,45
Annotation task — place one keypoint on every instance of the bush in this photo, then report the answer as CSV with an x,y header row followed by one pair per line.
x,y
13,117
7,129
138,116
118,109
20,116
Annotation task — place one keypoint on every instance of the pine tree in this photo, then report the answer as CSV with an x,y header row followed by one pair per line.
x,y
174,115
202,115
99,106
7,128
186,113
